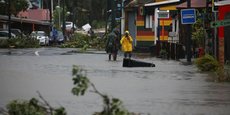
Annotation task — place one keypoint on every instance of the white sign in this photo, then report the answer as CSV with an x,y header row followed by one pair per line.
x,y
172,34
163,14
86,27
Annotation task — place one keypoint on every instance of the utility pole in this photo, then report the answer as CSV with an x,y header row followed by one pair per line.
x,y
215,29
63,19
51,12
59,15
189,29
113,23
9,19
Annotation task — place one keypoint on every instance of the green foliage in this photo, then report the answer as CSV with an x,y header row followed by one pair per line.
x,y
58,12
98,24
26,42
31,107
87,10
163,54
223,74
112,106
207,63
60,111
19,5
80,81
84,42
16,7
77,41
26,108
198,34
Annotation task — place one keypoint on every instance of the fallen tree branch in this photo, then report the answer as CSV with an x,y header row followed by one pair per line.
x,y
51,109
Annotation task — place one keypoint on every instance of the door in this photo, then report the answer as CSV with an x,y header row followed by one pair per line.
x,y
132,26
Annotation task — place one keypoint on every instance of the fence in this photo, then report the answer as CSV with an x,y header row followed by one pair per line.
x,y
174,51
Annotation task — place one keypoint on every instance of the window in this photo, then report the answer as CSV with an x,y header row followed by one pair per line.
x,y
148,21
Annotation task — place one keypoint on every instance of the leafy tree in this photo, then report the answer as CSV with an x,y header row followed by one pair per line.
x,y
58,12
15,8
198,34
87,11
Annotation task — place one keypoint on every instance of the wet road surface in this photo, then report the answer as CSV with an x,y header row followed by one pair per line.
x,y
168,89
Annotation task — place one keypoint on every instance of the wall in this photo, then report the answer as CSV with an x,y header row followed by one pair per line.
x,y
223,10
145,36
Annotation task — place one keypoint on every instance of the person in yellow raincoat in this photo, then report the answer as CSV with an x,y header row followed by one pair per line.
x,y
127,44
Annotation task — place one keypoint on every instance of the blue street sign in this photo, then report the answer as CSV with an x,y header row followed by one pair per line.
x,y
188,16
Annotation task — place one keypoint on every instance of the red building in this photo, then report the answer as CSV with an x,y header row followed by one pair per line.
x,y
224,31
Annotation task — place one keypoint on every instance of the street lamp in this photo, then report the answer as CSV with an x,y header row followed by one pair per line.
x,y
107,19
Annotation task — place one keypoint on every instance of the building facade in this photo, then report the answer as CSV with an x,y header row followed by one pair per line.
x,y
149,22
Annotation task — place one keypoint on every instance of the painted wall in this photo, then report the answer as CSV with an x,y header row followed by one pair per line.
x,y
144,36
165,24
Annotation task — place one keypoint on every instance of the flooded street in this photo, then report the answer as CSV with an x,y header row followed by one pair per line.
x,y
170,88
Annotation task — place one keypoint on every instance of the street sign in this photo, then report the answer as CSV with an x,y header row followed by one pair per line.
x,y
163,14
220,23
188,16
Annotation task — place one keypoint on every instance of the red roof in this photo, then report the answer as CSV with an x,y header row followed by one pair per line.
x,y
194,4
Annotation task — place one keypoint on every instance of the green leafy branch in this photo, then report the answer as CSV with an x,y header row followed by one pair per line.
x,y
112,106
31,107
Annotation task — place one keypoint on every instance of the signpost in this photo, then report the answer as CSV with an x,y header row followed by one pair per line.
x,y
215,24
188,16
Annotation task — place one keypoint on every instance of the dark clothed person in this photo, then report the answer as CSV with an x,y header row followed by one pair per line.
x,y
112,45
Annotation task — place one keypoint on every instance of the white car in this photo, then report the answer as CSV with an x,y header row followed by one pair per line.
x,y
69,25
41,36
4,35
